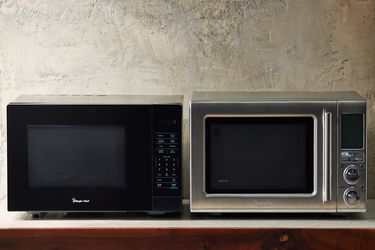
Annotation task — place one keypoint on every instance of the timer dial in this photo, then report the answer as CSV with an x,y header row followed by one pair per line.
x,y
351,196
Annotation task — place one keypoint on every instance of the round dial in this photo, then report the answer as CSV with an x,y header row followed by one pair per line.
x,y
351,196
351,174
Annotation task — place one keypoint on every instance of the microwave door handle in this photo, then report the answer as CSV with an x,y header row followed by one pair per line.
x,y
327,154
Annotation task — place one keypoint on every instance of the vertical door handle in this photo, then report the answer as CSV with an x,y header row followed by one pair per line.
x,y
327,156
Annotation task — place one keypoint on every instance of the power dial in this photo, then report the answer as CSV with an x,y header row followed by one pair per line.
x,y
351,196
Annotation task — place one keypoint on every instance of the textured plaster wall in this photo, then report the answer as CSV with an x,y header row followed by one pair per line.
x,y
175,47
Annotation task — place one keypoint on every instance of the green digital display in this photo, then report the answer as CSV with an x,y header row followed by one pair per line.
x,y
352,131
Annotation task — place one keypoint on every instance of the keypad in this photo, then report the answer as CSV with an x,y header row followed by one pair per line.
x,y
166,163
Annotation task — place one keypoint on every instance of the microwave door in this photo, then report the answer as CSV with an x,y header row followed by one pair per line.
x,y
258,160
260,155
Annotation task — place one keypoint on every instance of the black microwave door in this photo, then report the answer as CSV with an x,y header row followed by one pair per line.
x,y
259,155
79,157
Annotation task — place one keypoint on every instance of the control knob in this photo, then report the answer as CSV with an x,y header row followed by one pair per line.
x,y
351,174
351,196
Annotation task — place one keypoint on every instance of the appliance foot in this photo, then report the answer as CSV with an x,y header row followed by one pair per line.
x,y
37,215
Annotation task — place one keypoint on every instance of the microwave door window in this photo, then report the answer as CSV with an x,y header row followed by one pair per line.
x,y
259,155
69,156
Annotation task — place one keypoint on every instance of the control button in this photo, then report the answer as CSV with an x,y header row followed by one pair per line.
x,y
173,186
172,141
162,185
172,135
351,196
160,141
160,135
345,156
351,174
352,156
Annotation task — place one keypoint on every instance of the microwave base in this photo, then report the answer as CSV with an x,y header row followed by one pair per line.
x,y
282,211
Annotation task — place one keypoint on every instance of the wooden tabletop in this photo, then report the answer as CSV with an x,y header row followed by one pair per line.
x,y
18,230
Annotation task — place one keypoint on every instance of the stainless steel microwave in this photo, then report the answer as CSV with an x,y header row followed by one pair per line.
x,y
94,153
278,152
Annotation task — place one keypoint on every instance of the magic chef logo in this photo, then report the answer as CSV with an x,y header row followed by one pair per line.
x,y
74,200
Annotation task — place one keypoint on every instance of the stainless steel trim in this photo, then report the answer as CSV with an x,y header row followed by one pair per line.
x,y
190,158
269,210
265,195
327,154
224,97
351,210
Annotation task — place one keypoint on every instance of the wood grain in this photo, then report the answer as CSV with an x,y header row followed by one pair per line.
x,y
182,238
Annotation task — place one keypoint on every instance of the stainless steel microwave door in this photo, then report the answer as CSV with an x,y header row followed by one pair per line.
x,y
263,155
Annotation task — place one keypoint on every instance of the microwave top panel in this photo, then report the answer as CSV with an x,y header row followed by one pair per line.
x,y
275,96
97,100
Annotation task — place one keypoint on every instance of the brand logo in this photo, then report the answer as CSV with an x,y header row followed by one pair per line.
x,y
74,200
263,203
223,181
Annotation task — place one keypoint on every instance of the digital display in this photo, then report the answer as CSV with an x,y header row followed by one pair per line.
x,y
352,131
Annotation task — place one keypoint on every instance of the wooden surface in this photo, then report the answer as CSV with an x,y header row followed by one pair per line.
x,y
179,238
18,230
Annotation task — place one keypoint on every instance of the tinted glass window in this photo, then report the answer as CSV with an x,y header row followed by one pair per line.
x,y
352,131
259,155
76,156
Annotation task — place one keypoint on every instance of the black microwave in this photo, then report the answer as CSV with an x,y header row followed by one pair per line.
x,y
94,153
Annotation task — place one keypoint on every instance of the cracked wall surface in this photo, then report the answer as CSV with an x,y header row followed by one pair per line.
x,y
176,47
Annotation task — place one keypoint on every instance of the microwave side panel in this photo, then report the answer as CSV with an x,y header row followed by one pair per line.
x,y
196,154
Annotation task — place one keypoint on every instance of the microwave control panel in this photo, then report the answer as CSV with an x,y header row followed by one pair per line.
x,y
167,151
352,161
353,169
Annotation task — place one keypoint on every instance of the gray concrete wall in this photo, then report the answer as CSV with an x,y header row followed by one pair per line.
x,y
175,47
